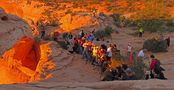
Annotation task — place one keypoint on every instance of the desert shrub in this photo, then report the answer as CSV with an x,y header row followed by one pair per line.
x,y
155,45
170,23
54,23
138,68
116,18
121,21
103,33
130,23
108,31
63,44
99,34
138,65
170,29
152,25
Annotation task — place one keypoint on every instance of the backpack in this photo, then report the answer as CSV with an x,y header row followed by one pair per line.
x,y
158,68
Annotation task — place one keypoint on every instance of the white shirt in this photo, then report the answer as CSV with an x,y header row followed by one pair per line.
x,y
141,53
129,48
80,33
109,50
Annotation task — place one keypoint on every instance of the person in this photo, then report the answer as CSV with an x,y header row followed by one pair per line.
x,y
141,53
156,69
129,48
168,41
70,46
75,47
42,34
81,33
56,34
91,38
109,52
141,31
130,74
153,62
86,54
70,36
94,54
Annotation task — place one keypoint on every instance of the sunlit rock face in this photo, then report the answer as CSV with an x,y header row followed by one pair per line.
x,y
23,59
12,30
18,64
72,22
25,62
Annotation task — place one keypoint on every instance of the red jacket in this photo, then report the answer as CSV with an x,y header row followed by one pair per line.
x,y
153,64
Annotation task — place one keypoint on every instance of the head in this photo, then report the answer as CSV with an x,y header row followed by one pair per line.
x,y
124,66
107,41
152,56
110,45
115,45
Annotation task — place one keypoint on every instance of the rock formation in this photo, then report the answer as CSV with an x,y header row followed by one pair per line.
x,y
12,30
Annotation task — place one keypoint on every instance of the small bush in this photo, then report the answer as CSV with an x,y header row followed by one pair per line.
x,y
154,45
170,29
121,21
63,44
54,23
170,23
103,33
152,25
139,67
108,31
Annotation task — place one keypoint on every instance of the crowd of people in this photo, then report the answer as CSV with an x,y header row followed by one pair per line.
x,y
103,55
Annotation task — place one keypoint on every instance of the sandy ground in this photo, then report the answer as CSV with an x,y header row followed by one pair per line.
x,y
78,70
166,58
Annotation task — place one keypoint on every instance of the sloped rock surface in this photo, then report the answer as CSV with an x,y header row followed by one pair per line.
x,y
12,30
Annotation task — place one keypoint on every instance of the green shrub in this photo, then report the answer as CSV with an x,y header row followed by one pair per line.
x,y
103,33
54,23
170,23
139,67
63,44
121,21
108,31
152,25
154,45
170,29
